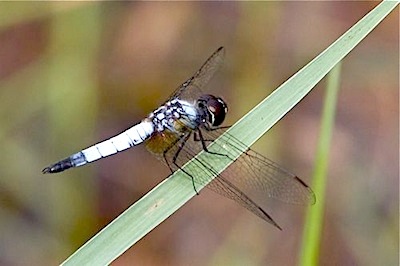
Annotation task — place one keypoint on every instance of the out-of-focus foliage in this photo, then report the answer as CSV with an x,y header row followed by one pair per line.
x,y
72,74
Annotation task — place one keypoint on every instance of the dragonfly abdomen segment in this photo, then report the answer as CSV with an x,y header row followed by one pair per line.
x,y
129,138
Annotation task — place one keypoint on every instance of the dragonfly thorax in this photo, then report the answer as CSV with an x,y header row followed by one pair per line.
x,y
213,110
176,115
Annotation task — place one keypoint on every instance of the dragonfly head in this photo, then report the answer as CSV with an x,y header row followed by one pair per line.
x,y
214,109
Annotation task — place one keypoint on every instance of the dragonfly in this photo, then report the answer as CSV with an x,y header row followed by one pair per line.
x,y
186,124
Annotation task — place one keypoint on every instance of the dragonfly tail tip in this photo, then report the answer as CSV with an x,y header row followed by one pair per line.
x,y
46,170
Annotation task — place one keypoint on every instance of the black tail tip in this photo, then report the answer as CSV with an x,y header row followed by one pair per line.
x,y
59,166
47,170
55,168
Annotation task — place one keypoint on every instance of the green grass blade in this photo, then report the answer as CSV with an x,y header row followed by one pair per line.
x,y
175,191
313,226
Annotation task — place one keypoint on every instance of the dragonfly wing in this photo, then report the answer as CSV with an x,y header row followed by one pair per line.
x,y
187,150
191,88
223,187
254,172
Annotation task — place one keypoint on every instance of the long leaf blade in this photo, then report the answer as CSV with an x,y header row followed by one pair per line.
x,y
172,193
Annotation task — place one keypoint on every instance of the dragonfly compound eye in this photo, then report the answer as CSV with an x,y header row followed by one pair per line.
x,y
215,107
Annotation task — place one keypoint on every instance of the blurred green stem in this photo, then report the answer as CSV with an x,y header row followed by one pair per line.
x,y
314,218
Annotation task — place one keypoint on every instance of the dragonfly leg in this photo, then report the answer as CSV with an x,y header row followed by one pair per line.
x,y
180,147
165,157
200,138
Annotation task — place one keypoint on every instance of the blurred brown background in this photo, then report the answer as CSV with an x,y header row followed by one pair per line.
x,y
72,74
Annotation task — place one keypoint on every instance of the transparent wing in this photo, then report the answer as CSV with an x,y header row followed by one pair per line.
x,y
251,174
219,185
191,88
253,171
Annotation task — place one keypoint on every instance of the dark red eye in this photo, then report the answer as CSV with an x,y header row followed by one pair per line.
x,y
215,107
